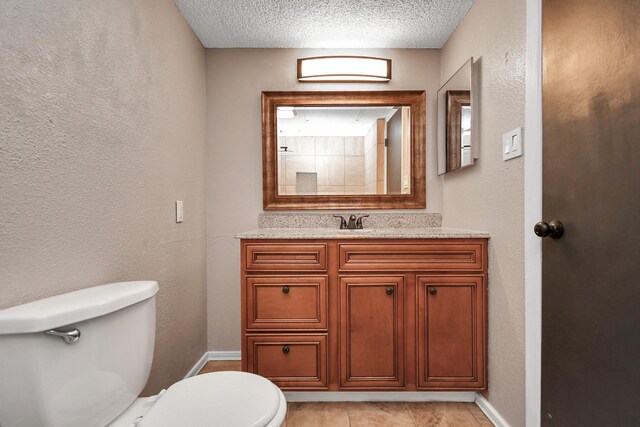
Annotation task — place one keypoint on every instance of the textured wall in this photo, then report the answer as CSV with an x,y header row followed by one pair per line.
x,y
235,79
102,128
490,195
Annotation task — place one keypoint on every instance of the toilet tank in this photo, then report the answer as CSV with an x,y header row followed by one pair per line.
x,y
45,381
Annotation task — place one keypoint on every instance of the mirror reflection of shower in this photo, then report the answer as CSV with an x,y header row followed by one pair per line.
x,y
344,150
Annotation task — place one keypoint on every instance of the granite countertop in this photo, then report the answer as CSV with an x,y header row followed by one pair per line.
x,y
367,233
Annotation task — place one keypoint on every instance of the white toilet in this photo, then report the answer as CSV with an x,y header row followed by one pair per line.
x,y
81,359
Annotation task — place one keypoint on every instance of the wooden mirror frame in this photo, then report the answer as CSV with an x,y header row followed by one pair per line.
x,y
416,100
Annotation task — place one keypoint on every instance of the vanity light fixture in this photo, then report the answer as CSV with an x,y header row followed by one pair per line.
x,y
344,69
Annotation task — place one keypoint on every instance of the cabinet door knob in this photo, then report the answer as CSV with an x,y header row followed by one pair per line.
x,y
285,289
389,291
433,291
285,349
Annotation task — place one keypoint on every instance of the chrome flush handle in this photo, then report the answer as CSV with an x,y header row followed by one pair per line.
x,y
69,337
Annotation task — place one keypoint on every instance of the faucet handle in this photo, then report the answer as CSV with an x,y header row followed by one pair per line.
x,y
343,221
359,225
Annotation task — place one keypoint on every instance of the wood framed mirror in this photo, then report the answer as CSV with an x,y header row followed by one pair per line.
x,y
343,150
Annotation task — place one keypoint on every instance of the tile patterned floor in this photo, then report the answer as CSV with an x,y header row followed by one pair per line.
x,y
373,414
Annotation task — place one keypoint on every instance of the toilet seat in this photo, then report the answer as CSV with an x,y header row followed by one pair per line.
x,y
218,399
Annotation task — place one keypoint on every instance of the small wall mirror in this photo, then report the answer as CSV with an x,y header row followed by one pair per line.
x,y
456,121
343,150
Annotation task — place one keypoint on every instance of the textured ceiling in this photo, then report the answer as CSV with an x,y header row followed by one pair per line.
x,y
324,23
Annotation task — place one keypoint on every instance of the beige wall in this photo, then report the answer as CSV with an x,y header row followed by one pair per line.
x,y
102,113
490,195
235,79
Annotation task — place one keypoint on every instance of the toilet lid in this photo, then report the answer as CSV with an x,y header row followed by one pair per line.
x,y
216,399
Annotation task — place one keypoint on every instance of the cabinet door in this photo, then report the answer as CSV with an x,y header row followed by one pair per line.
x,y
372,332
451,332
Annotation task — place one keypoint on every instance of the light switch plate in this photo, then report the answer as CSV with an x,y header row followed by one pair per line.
x,y
512,144
179,211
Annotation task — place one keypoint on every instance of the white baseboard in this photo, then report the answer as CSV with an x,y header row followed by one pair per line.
x,y
212,355
491,412
380,396
224,355
198,366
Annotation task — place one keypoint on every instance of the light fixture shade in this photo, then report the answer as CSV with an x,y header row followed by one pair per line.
x,y
344,69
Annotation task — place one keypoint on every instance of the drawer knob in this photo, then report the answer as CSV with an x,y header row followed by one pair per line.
x,y
285,289
389,291
433,291
285,349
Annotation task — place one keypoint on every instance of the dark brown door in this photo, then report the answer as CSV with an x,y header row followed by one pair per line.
x,y
372,331
591,179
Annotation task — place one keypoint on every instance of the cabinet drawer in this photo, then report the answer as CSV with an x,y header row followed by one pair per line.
x,y
290,361
411,256
286,257
286,302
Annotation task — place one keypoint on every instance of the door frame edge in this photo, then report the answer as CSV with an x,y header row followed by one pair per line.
x,y
533,213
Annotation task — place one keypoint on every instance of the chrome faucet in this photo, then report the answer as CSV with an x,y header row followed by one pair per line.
x,y
355,223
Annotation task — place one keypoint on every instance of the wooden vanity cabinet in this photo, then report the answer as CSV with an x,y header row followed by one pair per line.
x,y
366,314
